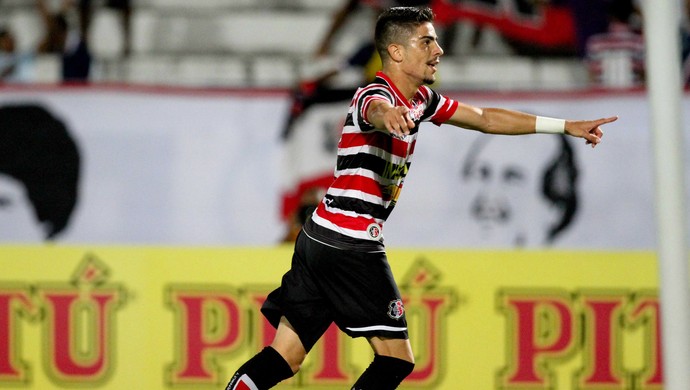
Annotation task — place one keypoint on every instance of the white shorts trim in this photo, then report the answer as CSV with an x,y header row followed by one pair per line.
x,y
379,327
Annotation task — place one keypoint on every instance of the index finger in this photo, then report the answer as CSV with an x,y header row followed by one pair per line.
x,y
604,121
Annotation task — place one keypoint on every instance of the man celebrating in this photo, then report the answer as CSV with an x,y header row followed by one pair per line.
x,y
339,270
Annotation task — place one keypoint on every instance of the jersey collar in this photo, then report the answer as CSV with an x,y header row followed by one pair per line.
x,y
398,95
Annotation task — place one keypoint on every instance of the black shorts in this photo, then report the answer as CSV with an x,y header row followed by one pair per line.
x,y
356,290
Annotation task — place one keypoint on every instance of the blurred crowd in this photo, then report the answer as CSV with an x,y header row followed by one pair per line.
x,y
65,29
606,35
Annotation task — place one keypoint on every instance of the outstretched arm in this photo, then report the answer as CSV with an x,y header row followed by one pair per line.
x,y
509,122
396,120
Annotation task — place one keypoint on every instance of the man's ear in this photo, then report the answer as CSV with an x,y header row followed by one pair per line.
x,y
395,52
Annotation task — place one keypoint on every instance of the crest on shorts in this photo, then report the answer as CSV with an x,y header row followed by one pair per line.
x,y
396,309
374,231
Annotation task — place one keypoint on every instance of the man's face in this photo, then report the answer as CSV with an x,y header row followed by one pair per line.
x,y
494,179
422,53
503,182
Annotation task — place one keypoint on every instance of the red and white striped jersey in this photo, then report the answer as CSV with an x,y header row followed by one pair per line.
x,y
371,164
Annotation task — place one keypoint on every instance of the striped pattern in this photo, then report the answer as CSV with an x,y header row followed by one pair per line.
x,y
372,165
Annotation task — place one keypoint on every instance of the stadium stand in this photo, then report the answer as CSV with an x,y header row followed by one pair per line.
x,y
262,43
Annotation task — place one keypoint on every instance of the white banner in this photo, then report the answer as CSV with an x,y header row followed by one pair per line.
x,y
162,168
473,190
176,167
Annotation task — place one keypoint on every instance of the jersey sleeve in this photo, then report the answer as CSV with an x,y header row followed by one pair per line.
x,y
439,108
365,97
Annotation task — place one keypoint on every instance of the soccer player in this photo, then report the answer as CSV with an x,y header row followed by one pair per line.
x,y
339,270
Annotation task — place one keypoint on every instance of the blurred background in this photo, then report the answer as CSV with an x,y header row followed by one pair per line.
x,y
495,44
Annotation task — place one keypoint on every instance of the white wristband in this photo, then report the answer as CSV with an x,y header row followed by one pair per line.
x,y
550,125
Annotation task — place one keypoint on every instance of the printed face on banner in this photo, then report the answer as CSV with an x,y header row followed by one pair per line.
x,y
17,221
521,191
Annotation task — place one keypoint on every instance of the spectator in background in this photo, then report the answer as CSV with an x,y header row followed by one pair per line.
x,y
123,7
15,66
591,18
308,202
529,27
542,28
615,58
8,59
365,56
65,39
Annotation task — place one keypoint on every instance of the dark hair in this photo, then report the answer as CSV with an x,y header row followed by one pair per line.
x,y
37,150
559,186
395,24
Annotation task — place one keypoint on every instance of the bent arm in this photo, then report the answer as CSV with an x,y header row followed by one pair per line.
x,y
396,120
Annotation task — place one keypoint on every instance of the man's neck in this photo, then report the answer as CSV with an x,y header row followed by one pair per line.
x,y
407,87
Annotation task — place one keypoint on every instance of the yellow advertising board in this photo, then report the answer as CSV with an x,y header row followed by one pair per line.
x,y
166,318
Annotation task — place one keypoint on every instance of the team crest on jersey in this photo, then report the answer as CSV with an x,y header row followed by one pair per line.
x,y
374,231
396,309
417,111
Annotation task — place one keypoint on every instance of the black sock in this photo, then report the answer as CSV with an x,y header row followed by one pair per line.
x,y
266,369
384,373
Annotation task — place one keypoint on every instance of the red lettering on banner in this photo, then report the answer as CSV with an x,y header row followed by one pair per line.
x,y
13,303
602,347
427,367
79,323
210,325
69,360
265,331
541,334
541,331
545,328
646,313
331,366
427,305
